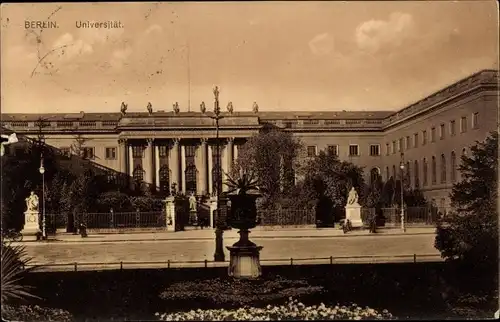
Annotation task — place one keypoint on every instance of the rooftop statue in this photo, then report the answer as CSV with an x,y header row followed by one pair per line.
x,y
150,108
123,108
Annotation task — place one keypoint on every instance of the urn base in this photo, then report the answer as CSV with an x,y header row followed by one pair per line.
x,y
245,261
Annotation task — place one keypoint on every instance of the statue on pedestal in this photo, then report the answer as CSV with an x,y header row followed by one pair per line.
x,y
32,202
193,212
352,198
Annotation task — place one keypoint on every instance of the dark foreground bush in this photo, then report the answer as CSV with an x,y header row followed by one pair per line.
x,y
34,313
229,292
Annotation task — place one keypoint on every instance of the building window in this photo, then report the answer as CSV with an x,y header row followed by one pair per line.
x,y
353,150
453,166
137,151
164,175
88,153
475,120
138,176
387,149
415,140
433,134
311,151
162,151
387,174
424,170
216,171
408,172
333,150
374,150
190,171
424,137
441,131
394,172
453,130
463,124
110,153
374,175
416,174
401,145
65,151
393,147
443,168
464,151
433,170
408,142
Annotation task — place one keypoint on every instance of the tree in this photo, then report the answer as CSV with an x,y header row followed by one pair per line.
x,y
78,146
271,155
329,180
470,233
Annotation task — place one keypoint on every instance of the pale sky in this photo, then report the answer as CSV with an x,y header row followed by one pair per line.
x,y
316,56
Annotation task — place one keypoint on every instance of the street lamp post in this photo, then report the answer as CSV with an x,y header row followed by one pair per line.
x,y
219,245
402,167
42,172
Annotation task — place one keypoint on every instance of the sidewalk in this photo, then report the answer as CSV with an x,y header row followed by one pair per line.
x,y
209,234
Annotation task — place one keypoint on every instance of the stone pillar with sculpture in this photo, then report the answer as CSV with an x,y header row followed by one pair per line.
x,y
353,209
31,218
244,255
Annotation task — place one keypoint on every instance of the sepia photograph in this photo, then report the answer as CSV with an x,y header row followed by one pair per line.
x,y
249,160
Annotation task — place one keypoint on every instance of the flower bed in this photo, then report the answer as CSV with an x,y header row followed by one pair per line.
x,y
34,313
293,310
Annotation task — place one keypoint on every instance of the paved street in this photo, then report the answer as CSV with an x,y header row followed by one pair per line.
x,y
185,250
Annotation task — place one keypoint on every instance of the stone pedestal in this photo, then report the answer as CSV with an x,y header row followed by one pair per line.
x,y
244,259
170,213
193,217
31,225
353,214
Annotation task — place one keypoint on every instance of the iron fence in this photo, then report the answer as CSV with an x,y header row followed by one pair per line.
x,y
120,220
286,217
413,216
168,264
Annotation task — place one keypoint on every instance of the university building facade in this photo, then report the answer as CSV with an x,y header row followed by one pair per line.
x,y
161,148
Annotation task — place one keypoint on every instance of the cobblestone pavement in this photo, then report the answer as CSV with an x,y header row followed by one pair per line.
x,y
388,246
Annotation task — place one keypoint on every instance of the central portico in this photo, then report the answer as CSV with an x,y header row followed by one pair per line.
x,y
188,162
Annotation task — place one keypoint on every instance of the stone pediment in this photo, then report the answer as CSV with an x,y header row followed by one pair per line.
x,y
190,122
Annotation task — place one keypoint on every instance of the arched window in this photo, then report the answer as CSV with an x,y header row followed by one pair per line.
x,y
164,174
453,166
415,174
387,174
374,174
464,151
138,176
433,170
190,171
425,175
443,168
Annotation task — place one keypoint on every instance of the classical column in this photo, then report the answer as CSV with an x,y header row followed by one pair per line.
x,y
229,154
183,167
210,166
131,166
122,155
148,160
174,163
202,188
157,163
235,152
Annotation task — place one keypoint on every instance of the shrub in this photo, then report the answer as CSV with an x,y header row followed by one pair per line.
x,y
236,293
293,310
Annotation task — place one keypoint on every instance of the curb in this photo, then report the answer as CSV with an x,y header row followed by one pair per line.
x,y
84,241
